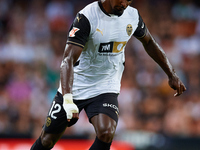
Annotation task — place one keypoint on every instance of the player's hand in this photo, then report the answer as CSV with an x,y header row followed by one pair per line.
x,y
70,108
176,84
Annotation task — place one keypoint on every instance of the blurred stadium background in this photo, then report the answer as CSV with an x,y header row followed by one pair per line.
x,y
32,40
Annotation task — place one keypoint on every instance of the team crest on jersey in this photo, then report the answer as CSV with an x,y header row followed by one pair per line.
x,y
73,31
129,29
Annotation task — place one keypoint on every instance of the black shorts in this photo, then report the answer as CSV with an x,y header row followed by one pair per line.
x,y
56,120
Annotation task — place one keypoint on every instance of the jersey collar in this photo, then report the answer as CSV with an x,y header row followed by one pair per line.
x,y
101,7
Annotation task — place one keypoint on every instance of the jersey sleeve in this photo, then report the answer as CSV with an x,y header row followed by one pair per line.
x,y
140,31
79,31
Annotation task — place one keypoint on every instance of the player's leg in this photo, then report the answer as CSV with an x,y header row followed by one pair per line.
x,y
105,129
103,114
46,141
55,125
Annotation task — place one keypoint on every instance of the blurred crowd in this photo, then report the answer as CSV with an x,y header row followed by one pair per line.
x,y
33,34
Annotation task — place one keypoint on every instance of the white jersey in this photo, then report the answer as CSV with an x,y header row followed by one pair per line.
x,y
103,38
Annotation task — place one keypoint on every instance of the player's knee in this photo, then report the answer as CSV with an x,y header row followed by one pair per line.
x,y
106,134
47,142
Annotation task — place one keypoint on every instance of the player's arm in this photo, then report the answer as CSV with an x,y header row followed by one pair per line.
x,y
159,56
78,36
71,54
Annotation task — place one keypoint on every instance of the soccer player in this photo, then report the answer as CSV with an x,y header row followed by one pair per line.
x,y
92,67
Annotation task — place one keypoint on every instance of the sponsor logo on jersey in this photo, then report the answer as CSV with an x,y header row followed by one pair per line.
x,y
111,47
106,47
112,106
129,29
73,31
78,18
98,30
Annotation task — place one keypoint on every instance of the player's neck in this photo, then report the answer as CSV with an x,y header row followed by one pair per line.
x,y
106,6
